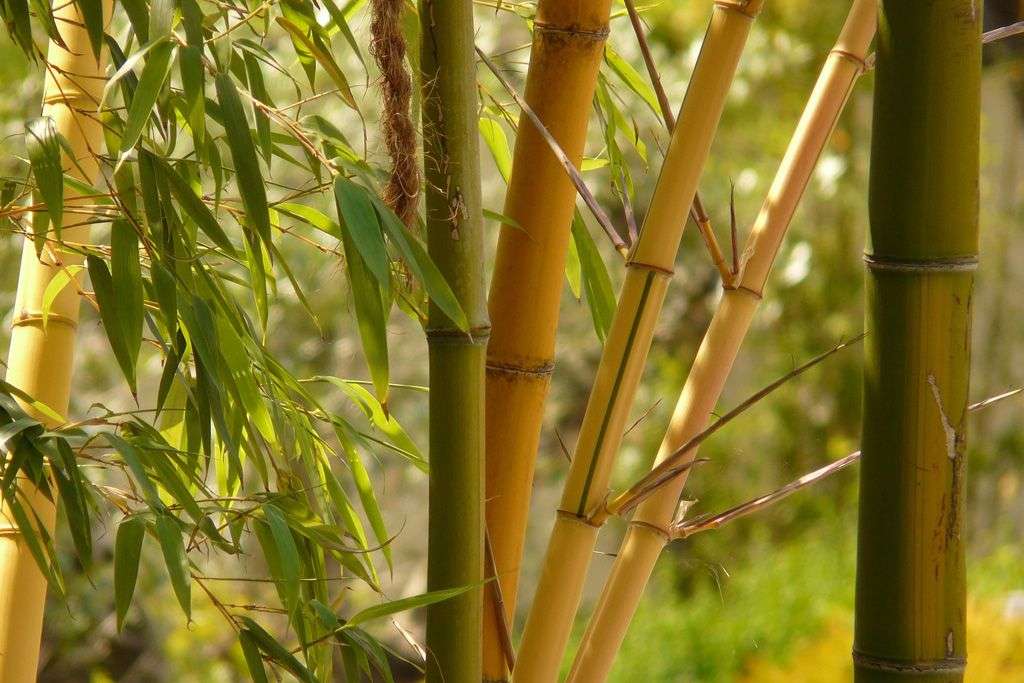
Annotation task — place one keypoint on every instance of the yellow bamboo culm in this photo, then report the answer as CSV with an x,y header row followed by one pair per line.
x,y
526,289
648,271
40,359
648,532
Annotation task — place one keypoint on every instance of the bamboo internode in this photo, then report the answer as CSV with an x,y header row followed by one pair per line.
x,y
910,596
649,269
650,528
526,289
41,357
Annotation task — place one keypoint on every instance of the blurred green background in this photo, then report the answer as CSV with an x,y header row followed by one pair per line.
x,y
768,598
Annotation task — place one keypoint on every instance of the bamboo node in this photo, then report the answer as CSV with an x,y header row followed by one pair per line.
x,y
27,318
749,291
589,35
659,530
858,61
540,370
474,336
579,519
955,264
658,270
947,665
740,7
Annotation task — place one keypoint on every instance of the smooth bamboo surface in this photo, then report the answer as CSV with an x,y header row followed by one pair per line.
x,y
40,361
649,530
455,556
910,599
526,287
649,269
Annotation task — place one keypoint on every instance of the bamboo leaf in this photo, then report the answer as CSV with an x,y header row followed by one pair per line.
x,y
19,26
253,659
633,80
110,305
370,316
55,286
243,154
357,214
497,142
596,283
74,498
168,532
289,563
43,147
126,277
192,204
127,552
92,16
151,83
275,651
323,57
404,604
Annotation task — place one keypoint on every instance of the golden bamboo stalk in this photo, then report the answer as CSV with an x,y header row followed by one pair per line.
x,y
649,530
40,359
648,272
526,288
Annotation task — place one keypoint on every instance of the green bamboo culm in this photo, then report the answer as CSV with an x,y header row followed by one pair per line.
x,y
457,354
910,603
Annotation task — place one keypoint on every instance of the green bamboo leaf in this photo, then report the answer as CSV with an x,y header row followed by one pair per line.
x,y
74,498
404,604
253,659
633,80
169,533
596,283
269,646
573,270
131,458
110,305
371,318
356,212
421,264
323,57
497,142
19,26
247,169
92,15
151,83
138,16
289,562
44,15
55,286
127,552
196,209
311,216
258,89
43,147
361,478
126,276
193,84
338,17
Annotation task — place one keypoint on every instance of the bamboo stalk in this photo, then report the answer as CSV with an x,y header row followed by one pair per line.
x,y
648,271
40,359
457,357
910,598
526,286
649,530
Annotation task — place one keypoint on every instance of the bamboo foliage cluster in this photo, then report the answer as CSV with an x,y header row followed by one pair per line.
x,y
169,176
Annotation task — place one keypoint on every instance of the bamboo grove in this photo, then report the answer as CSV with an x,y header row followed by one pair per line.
x,y
196,163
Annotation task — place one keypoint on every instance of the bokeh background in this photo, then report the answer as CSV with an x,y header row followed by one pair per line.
x,y
767,598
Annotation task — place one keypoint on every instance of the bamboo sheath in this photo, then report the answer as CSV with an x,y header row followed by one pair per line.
x,y
648,271
457,357
648,532
40,360
526,287
910,597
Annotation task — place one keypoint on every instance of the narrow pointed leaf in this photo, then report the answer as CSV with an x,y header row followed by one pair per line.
x,y
127,552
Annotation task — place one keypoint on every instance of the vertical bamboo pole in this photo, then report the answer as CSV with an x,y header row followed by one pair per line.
x,y
526,287
648,271
457,357
910,602
40,360
648,531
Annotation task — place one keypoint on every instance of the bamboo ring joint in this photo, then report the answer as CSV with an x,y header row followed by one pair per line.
x,y
956,264
660,531
37,317
948,665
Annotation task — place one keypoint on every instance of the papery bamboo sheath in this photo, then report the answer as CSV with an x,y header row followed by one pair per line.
x,y
526,287
648,532
455,555
40,360
910,598
649,269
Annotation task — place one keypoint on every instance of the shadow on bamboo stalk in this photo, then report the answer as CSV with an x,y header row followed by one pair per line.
x,y
649,269
649,530
41,357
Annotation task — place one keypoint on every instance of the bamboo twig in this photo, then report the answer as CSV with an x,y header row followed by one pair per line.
x,y
673,465
574,174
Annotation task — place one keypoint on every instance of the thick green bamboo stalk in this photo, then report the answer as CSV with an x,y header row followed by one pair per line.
x,y
910,604
41,356
457,357
649,269
526,286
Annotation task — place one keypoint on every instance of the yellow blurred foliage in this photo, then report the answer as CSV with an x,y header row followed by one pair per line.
x,y
995,651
